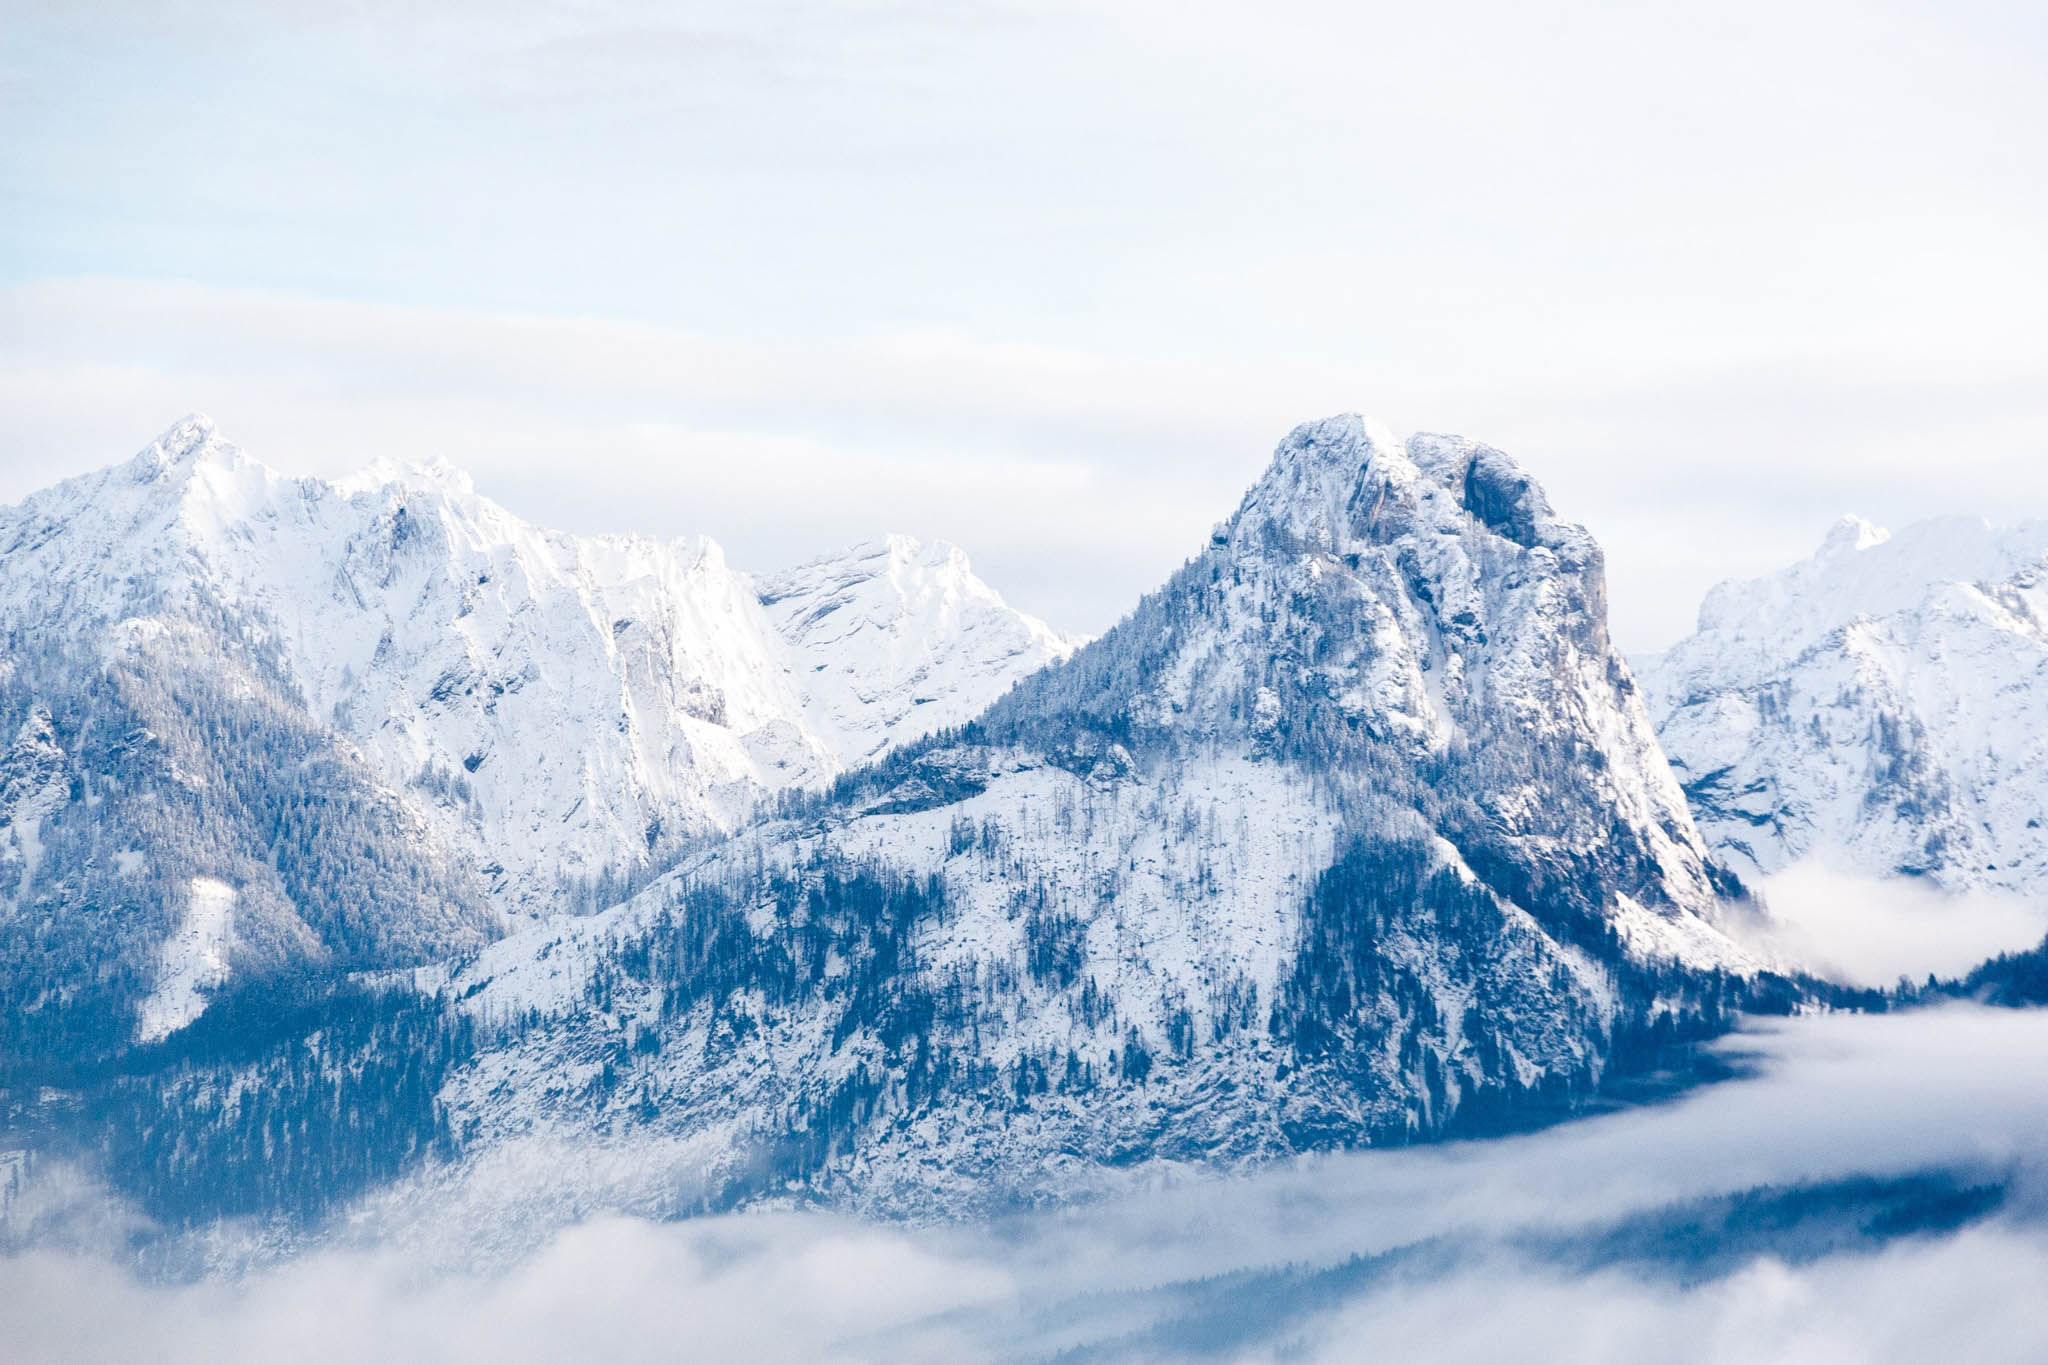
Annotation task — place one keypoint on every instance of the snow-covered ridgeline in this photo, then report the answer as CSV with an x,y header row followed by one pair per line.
x,y
893,640
560,706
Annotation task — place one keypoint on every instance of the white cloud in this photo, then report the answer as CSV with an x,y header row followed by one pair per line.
x,y
1048,279
1870,931
1958,1298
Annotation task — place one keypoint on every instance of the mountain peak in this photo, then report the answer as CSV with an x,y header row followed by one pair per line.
x,y
888,553
909,567
893,633
185,443
1875,703
1864,570
1851,534
1306,494
1341,481
908,549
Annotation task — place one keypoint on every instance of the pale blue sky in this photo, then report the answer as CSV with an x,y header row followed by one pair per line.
x,y
1049,280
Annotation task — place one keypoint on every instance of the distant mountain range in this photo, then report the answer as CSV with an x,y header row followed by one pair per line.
x,y
1883,704
1357,830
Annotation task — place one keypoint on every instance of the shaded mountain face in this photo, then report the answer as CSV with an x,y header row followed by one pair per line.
x,y
263,722
1355,831
1883,704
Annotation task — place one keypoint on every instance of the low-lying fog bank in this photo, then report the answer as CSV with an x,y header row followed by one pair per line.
x,y
1870,1192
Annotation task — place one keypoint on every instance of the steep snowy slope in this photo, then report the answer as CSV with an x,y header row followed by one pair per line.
x,y
1355,831
556,714
1883,704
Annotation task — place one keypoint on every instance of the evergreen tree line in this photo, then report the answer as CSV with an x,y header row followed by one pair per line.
x,y
187,755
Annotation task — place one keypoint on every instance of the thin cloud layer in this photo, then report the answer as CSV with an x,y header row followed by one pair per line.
x,y
1079,475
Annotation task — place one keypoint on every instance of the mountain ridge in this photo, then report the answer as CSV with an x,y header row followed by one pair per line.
x,y
1352,832
543,718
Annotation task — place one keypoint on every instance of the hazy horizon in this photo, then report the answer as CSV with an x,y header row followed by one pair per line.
x,y
1046,281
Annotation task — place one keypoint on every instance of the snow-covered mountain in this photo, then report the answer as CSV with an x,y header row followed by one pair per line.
x,y
1882,704
540,717
1354,831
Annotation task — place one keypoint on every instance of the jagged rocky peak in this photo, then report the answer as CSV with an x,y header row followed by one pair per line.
x,y
1464,528
210,472
1410,622
182,445
1851,534
897,568
436,473
1863,570
203,483
1420,588
1341,481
